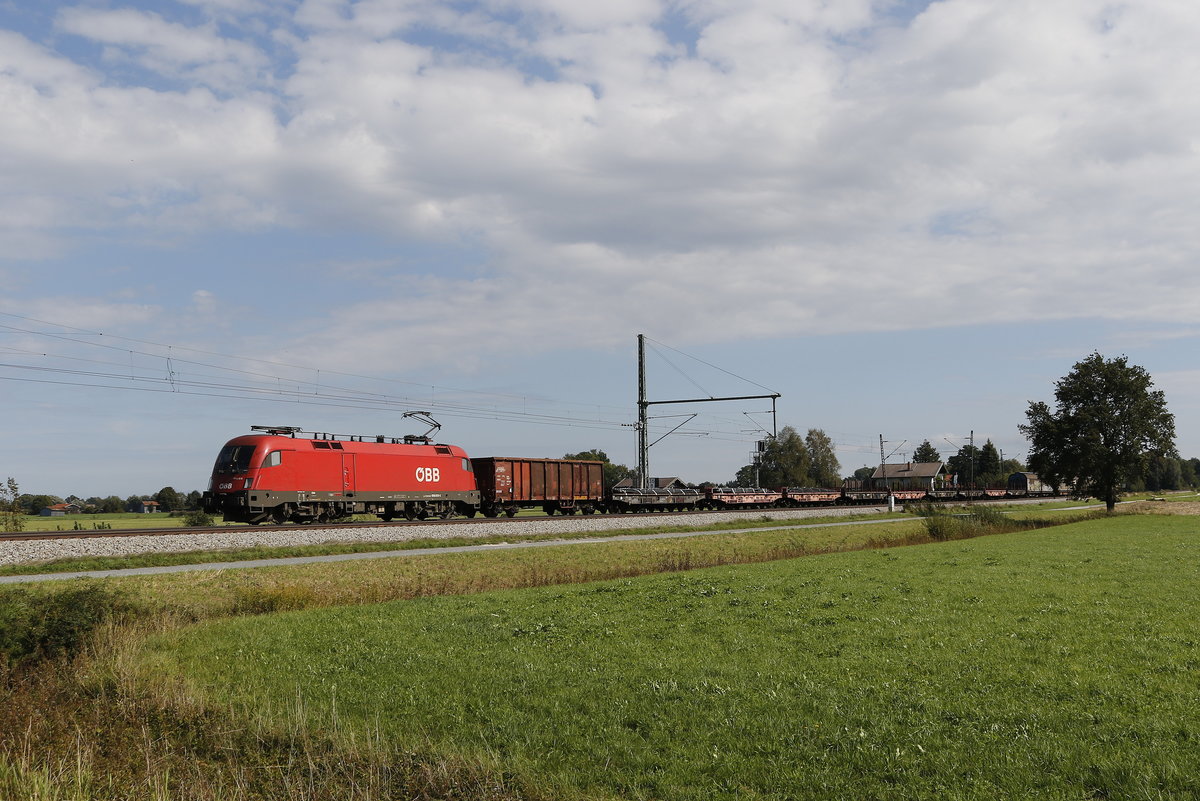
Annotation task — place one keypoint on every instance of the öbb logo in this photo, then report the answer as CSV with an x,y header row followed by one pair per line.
x,y
429,475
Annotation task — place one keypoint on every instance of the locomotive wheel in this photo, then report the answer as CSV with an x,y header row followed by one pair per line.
x,y
279,515
409,513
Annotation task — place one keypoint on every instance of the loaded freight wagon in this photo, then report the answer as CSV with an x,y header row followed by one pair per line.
x,y
555,485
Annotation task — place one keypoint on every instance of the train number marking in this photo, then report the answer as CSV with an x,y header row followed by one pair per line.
x,y
228,485
430,475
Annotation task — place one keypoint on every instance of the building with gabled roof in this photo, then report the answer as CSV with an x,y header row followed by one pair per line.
x,y
61,510
910,476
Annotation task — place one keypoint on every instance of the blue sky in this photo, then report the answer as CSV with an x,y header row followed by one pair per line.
x,y
907,218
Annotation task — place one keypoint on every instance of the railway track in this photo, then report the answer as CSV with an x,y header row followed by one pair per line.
x,y
26,536
45,536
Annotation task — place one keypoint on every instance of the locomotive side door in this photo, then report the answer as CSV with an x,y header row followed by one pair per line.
x,y
348,473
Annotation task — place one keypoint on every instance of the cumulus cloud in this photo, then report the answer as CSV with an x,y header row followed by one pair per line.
x,y
770,167
195,54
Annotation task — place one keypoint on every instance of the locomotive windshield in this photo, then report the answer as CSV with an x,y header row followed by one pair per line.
x,y
234,459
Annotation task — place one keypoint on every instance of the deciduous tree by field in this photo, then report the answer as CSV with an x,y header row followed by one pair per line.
x,y
1107,422
824,469
789,460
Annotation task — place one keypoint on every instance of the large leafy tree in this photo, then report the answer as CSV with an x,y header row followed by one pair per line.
x,y
790,460
1106,424
824,469
785,460
169,499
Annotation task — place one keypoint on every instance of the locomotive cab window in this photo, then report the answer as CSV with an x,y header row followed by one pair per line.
x,y
273,459
467,465
234,459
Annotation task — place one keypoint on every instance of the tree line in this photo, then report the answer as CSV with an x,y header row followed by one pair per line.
x,y
167,498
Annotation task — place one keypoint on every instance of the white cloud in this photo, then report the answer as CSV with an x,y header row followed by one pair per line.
x,y
198,54
204,301
806,167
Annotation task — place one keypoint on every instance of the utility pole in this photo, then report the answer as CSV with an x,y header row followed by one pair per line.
x,y
891,499
643,418
882,463
644,405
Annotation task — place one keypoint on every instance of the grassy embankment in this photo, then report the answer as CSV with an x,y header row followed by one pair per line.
x,y
1056,664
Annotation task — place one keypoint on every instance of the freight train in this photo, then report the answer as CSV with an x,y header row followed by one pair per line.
x,y
275,476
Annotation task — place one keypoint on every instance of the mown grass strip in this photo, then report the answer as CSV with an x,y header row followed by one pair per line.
x,y
1054,664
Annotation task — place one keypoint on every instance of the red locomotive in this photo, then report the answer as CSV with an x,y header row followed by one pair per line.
x,y
275,476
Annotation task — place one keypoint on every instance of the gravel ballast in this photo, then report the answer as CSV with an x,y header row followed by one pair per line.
x,y
33,551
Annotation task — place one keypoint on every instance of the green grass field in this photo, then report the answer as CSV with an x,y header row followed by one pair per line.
x,y
1055,664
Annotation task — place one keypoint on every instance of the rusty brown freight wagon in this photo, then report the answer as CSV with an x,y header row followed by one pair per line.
x,y
556,485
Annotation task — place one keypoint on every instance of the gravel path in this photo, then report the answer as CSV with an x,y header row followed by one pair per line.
x,y
26,552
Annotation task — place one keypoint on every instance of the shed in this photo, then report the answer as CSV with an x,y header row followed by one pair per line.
x,y
60,510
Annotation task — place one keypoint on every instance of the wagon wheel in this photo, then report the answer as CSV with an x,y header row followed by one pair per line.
x,y
510,511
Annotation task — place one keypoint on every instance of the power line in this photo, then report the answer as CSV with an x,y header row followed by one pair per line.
x,y
713,366
168,372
